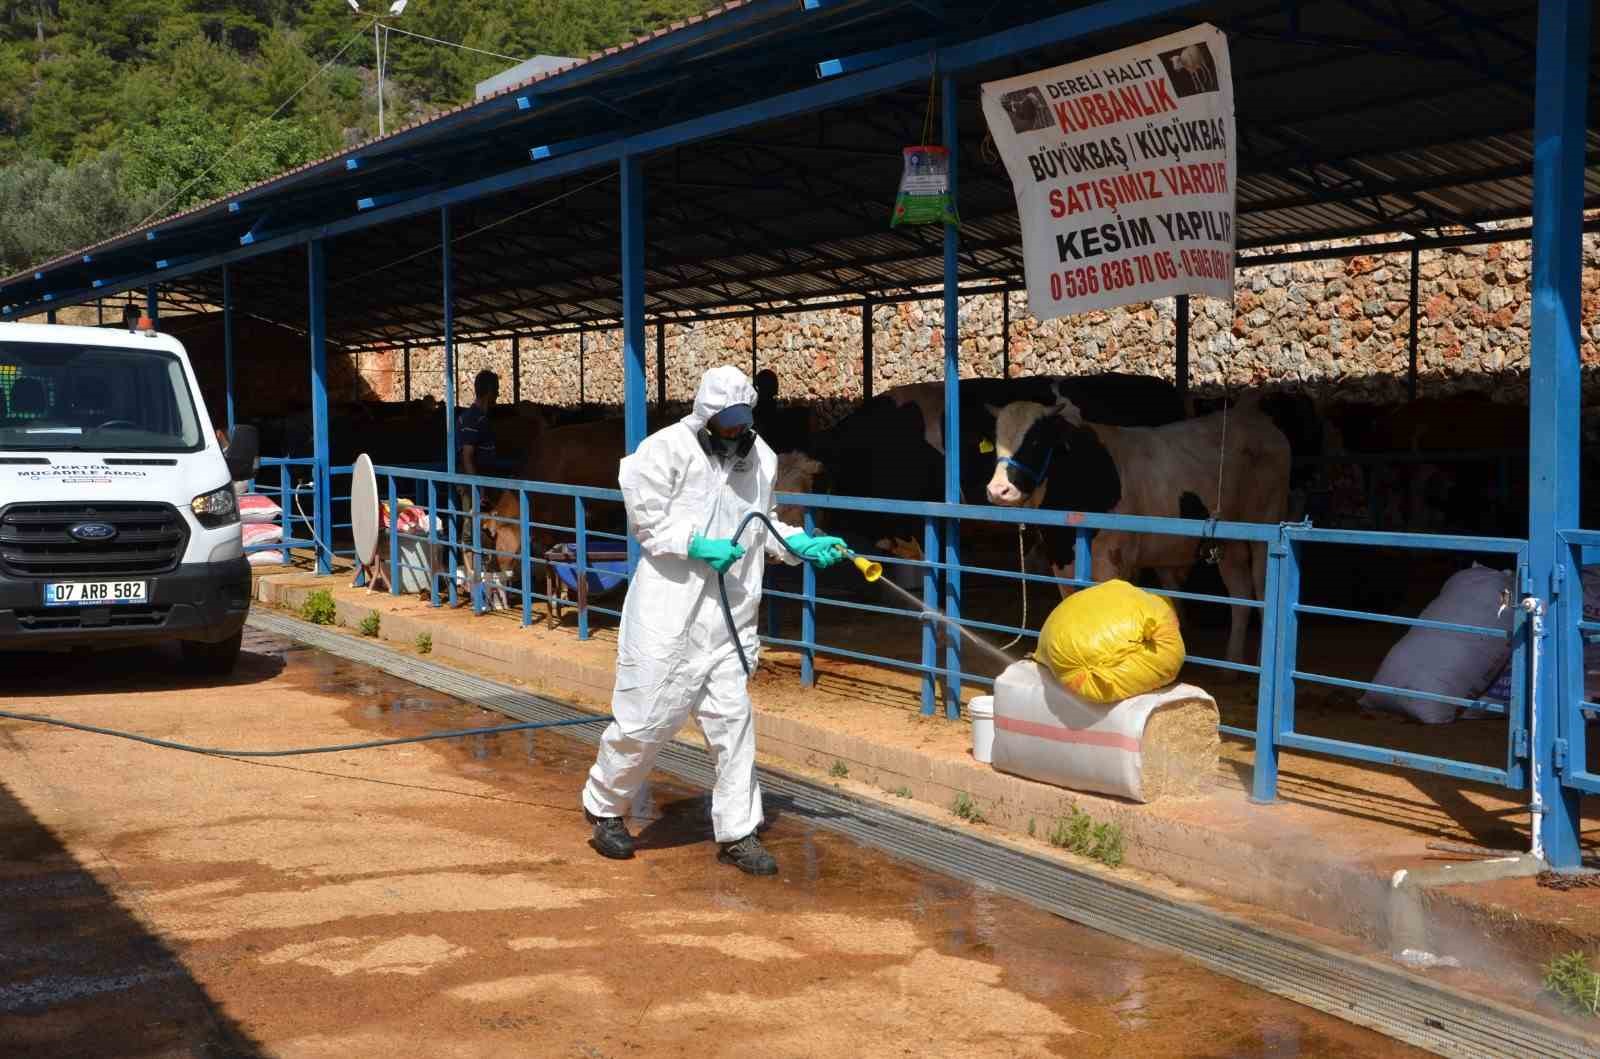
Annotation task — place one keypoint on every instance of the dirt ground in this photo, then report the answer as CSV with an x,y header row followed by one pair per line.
x,y
1363,814
440,900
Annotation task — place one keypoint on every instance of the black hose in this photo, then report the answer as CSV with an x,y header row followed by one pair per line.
x,y
722,584
458,733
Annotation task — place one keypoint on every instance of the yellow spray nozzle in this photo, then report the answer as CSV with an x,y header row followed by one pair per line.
x,y
869,569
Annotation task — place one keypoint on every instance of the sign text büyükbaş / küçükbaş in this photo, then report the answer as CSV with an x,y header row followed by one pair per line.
x,y
1123,168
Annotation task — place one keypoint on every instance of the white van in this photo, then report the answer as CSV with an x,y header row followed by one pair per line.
x,y
118,522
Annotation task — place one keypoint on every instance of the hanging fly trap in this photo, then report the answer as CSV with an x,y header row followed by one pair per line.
x,y
924,196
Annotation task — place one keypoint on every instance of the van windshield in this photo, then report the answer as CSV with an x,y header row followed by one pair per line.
x,y
82,398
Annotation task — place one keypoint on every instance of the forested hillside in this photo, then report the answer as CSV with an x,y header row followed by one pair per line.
x,y
111,110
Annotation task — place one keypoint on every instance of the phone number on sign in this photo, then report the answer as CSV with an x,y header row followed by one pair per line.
x,y
1146,268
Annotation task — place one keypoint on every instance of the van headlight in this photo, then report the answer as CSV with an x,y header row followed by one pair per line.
x,y
217,508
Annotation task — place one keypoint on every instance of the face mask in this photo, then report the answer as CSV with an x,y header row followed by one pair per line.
x,y
737,447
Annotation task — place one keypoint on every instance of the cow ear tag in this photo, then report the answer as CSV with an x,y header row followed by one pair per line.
x,y
986,446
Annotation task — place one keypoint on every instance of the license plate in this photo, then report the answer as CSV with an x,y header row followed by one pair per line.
x,y
93,593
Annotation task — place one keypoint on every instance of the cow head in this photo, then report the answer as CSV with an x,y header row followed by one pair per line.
x,y
799,473
1027,439
1036,444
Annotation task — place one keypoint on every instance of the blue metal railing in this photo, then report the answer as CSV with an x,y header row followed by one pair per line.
x,y
454,540
297,503
455,536
1276,713
1569,631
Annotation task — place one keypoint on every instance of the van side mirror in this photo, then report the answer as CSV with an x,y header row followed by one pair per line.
x,y
244,453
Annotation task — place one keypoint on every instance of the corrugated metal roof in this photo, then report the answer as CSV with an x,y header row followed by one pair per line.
x,y
1423,131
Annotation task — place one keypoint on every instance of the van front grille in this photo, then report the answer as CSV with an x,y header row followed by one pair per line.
x,y
36,540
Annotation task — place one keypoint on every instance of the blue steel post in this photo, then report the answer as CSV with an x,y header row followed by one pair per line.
x,y
633,392
394,536
1561,93
227,340
526,558
808,613
50,316
952,412
284,515
580,527
1277,625
448,296
433,544
474,539
317,327
152,308
930,605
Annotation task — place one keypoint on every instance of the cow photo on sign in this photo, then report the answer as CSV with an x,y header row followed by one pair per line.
x,y
1191,69
1027,110
1123,168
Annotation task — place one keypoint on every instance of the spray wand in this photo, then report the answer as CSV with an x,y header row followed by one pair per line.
x,y
870,571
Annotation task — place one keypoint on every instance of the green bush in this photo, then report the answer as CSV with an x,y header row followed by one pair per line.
x,y
319,608
839,770
1576,983
902,792
967,809
371,623
424,643
1079,834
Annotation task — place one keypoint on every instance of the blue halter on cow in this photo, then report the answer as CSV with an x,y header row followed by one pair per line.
x,y
1231,465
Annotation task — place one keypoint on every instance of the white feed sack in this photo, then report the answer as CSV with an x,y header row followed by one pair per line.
x,y
1459,664
1159,745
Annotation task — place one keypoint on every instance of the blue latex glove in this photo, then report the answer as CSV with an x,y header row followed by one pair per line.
x,y
821,552
719,552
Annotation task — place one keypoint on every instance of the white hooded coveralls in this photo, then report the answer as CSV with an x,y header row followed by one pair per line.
x,y
675,656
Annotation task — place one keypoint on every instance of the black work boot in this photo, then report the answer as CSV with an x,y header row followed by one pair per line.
x,y
611,838
749,856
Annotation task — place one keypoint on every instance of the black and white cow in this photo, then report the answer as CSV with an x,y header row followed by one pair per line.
x,y
1232,466
892,447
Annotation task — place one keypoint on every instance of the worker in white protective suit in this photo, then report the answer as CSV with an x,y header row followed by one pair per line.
x,y
686,490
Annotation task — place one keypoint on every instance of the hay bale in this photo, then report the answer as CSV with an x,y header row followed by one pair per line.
x,y
1162,744
1180,750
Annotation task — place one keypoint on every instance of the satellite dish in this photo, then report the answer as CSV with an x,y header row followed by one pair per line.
x,y
364,510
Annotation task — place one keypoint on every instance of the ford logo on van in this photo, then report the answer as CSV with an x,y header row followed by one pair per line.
x,y
93,532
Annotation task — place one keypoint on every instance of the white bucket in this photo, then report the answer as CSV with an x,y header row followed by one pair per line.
x,y
981,711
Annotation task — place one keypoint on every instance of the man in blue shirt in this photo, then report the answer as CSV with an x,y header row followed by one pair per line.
x,y
474,434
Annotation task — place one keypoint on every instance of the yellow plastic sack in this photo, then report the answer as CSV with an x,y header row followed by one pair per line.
x,y
1111,642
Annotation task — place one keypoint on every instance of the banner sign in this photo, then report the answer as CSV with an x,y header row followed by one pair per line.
x,y
1124,169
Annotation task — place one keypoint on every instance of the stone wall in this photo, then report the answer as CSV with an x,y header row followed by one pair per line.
x,y
1336,328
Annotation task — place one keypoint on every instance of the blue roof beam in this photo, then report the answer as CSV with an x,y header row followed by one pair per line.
x,y
256,231
556,150
866,60
164,263
375,202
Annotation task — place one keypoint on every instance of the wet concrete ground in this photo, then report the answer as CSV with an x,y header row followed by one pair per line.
x,y
441,900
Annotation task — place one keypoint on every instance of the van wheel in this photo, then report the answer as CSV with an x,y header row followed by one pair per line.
x,y
212,659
